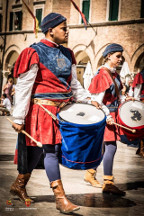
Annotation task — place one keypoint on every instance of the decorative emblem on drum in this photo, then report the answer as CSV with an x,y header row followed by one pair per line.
x,y
136,115
81,113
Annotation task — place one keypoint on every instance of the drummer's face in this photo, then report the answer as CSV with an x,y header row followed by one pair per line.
x,y
115,59
59,34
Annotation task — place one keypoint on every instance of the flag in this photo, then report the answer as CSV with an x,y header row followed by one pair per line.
x,y
36,26
82,15
36,23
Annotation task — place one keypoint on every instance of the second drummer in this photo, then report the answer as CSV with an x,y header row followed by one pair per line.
x,y
105,87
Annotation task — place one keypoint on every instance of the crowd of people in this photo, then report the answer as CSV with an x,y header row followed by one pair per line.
x,y
7,98
46,77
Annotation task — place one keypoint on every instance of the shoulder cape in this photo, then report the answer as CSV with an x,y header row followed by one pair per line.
x,y
27,58
101,82
139,79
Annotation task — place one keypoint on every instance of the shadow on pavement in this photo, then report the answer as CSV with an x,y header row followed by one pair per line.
x,y
6,157
92,200
134,185
131,185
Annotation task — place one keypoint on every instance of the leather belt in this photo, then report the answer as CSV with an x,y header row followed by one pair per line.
x,y
48,102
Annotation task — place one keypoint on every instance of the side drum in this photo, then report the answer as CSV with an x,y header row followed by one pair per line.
x,y
131,115
82,129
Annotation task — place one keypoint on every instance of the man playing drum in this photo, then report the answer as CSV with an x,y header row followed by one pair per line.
x,y
46,74
138,89
105,87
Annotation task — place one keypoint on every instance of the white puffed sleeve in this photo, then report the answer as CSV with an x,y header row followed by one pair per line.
x,y
137,91
99,98
23,90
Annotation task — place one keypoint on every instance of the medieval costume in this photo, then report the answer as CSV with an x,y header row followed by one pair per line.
x,y
46,74
105,87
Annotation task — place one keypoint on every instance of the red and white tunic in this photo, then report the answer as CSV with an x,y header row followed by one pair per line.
x,y
45,71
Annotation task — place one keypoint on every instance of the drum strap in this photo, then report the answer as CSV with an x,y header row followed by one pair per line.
x,y
41,102
116,87
48,102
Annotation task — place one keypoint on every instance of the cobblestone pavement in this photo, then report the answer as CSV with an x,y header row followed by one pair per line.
x,y
128,172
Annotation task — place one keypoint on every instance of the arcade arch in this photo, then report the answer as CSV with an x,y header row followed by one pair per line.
x,y
139,64
137,59
10,58
82,59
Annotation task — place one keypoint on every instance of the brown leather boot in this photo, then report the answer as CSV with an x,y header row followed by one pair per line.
x,y
109,187
62,203
18,187
90,176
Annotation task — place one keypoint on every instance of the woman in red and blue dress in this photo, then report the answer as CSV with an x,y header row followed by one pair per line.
x,y
105,88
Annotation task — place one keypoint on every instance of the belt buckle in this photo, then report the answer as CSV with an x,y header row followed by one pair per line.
x,y
35,100
62,104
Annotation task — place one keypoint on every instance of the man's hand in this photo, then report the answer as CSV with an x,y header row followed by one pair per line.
x,y
96,104
110,121
18,127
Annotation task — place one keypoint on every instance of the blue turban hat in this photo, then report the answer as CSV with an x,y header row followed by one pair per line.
x,y
112,48
51,20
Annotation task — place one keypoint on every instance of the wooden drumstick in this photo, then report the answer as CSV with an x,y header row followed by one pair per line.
x,y
24,132
132,130
47,111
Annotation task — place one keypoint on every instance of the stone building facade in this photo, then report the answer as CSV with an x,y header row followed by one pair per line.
x,y
110,21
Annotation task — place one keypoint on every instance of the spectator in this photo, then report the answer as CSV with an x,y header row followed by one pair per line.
x,y
8,88
5,106
130,90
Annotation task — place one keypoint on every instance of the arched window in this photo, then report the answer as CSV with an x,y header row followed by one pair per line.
x,y
15,21
85,8
113,10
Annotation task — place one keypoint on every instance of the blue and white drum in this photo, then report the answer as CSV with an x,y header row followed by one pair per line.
x,y
82,129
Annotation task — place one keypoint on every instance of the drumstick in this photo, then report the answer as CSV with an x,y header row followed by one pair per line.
x,y
47,111
132,130
24,132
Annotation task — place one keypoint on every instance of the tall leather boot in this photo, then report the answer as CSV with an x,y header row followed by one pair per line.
x,y
109,187
62,203
90,176
18,187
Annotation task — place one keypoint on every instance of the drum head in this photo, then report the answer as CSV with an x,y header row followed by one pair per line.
x,y
132,113
81,114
